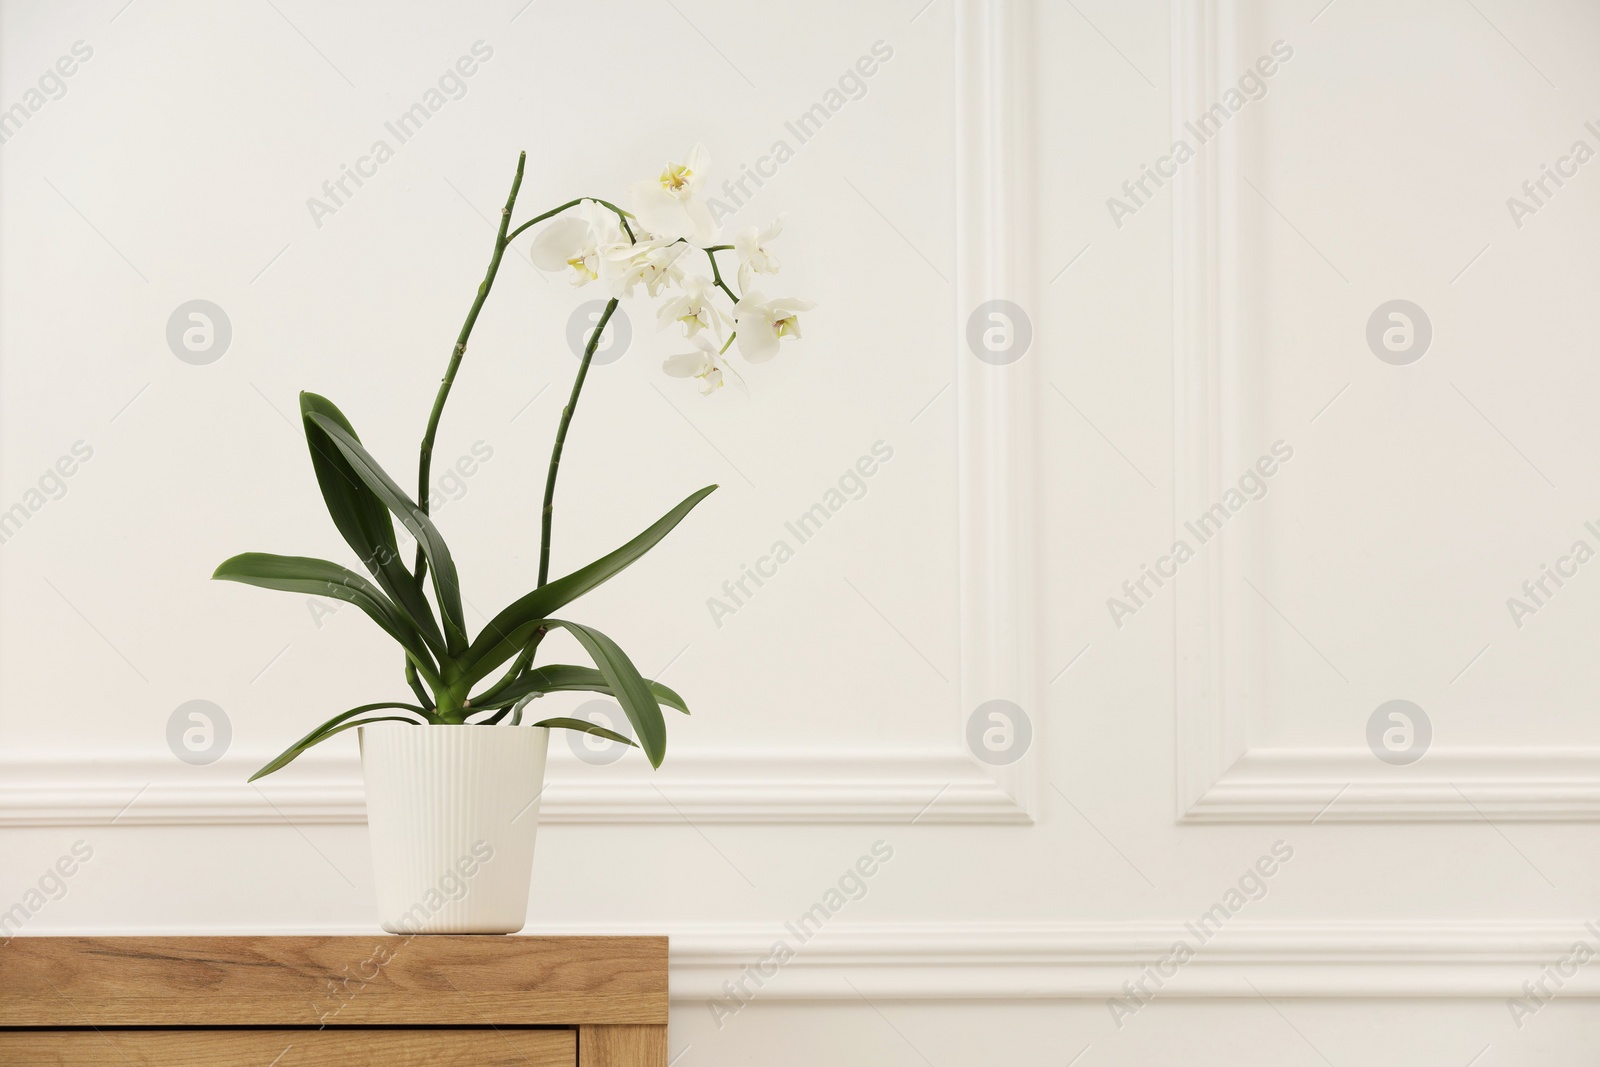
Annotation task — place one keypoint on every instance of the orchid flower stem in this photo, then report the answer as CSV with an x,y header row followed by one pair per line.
x,y
622,216
501,241
503,238
548,513
425,456
716,272
525,657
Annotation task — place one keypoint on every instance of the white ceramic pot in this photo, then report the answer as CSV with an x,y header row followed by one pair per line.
x,y
452,812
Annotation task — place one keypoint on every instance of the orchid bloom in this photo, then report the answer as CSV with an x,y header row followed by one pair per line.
x,y
761,322
673,204
692,307
671,219
704,363
651,260
576,241
750,244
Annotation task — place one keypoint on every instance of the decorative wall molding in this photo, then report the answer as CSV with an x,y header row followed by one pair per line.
x,y
998,455
1453,785
1091,960
732,786
1209,739
1219,777
998,569
1071,960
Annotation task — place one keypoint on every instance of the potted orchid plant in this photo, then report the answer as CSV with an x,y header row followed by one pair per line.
x,y
453,777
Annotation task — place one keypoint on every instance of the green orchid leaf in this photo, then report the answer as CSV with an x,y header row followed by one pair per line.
x,y
362,519
509,631
563,678
338,724
627,686
446,585
318,577
585,726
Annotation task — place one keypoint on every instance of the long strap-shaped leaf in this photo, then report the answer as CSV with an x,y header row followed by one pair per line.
x,y
508,631
362,518
564,678
335,725
447,587
318,577
585,726
627,685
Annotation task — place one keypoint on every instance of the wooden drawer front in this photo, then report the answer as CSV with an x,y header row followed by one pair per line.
x,y
289,1048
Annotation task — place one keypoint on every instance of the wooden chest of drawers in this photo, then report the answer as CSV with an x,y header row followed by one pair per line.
x,y
428,1001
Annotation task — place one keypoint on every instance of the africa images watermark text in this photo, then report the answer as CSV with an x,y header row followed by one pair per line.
x,y
852,485
1252,86
1252,485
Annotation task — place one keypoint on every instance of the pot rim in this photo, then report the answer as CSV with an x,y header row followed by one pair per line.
x,y
364,727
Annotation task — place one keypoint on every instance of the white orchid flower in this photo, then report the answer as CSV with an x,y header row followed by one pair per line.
x,y
651,260
704,363
761,322
673,204
692,307
751,246
575,241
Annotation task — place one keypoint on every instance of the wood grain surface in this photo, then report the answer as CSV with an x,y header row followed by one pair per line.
x,y
623,1046
435,980
289,1048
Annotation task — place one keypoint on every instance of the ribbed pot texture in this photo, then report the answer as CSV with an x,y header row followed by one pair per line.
x,y
452,812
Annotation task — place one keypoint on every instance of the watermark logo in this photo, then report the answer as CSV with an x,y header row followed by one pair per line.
x,y
1203,128
447,488
1553,976
50,886
852,485
583,321
852,85
999,732
599,751
1139,592
451,85
1399,732
453,885
999,332
199,332
1248,888
198,732
1537,192
852,885
1539,590
52,485
51,86
1399,332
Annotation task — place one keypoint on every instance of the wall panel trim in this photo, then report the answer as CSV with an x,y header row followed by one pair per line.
x,y
733,786
1094,960
1218,776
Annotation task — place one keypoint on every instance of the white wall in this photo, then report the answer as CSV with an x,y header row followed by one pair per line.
x,y
1172,346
